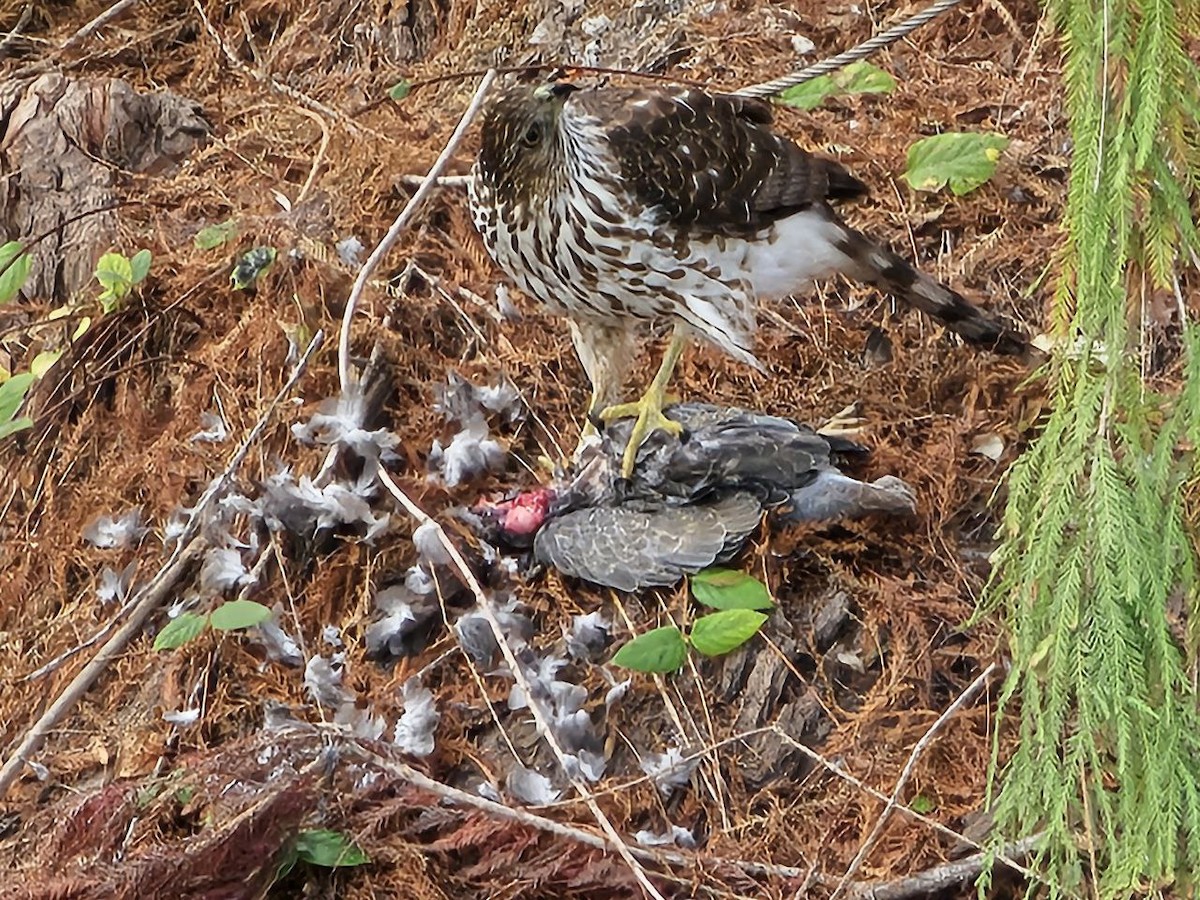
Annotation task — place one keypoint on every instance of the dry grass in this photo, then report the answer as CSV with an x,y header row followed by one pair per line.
x,y
119,438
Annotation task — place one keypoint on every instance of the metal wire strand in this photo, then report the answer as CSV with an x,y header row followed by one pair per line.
x,y
854,54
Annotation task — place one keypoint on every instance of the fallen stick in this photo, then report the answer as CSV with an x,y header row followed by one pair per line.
x,y
410,209
934,879
940,877
909,767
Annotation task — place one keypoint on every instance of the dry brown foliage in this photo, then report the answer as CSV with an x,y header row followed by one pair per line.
x,y
281,90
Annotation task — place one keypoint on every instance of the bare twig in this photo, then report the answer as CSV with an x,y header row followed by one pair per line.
x,y
151,597
939,878
188,547
399,225
570,832
552,67
279,87
319,158
111,14
938,827
854,54
934,879
906,773
14,33
489,309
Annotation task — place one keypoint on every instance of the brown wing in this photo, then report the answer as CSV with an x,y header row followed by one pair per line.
x,y
710,162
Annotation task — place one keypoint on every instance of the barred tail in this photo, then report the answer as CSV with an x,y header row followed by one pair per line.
x,y
872,263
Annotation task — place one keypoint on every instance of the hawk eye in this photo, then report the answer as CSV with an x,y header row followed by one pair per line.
x,y
533,135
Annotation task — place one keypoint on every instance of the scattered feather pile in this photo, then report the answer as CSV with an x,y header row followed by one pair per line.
x,y
406,618
669,771
675,835
530,787
416,726
213,429
472,451
339,421
280,645
477,639
124,531
114,586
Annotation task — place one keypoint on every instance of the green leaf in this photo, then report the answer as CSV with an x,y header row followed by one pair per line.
x,y
183,628
856,78
43,361
962,160
922,804
115,274
216,235
139,265
146,795
322,847
721,632
12,394
400,90
14,425
660,650
15,267
111,300
238,614
730,589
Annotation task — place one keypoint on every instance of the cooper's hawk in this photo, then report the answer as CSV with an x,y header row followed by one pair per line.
x,y
690,503
614,206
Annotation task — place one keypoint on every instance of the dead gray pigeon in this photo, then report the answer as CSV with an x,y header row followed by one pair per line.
x,y
692,500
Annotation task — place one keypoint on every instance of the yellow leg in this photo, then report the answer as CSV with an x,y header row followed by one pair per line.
x,y
606,352
588,433
648,408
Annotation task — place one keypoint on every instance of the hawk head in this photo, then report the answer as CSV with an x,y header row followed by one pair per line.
x,y
522,149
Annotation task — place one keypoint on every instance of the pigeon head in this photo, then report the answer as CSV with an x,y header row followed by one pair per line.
x,y
516,520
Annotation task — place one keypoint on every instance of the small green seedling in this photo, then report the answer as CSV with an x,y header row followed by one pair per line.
x,y
215,235
235,615
856,78
399,90
922,804
736,595
118,275
962,160
322,847
12,395
15,266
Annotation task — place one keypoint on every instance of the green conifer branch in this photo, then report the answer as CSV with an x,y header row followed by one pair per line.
x,y
1096,540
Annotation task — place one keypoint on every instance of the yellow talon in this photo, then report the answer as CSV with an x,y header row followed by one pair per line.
x,y
650,418
648,409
